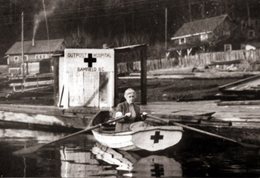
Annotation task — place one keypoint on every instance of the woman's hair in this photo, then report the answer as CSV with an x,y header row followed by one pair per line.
x,y
128,91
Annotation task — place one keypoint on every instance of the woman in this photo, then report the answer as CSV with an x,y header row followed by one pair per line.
x,y
129,109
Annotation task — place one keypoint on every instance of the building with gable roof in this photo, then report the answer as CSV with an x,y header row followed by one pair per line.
x,y
37,55
202,34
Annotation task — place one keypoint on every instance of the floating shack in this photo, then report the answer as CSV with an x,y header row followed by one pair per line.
x,y
84,82
87,81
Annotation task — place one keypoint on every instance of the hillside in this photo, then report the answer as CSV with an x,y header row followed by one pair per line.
x,y
92,23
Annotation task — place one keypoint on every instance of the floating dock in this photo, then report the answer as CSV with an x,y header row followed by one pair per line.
x,y
241,122
86,81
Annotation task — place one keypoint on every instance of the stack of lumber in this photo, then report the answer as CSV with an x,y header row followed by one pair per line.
x,y
248,88
29,88
208,113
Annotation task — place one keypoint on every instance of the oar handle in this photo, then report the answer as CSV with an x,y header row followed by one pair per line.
x,y
161,120
88,129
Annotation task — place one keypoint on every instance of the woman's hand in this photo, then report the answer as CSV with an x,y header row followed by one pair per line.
x,y
128,114
118,115
144,116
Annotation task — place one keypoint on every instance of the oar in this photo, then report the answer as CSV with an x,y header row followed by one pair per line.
x,y
35,148
204,132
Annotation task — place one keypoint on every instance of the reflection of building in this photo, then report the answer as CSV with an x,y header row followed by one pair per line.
x,y
82,164
104,161
25,135
122,159
36,56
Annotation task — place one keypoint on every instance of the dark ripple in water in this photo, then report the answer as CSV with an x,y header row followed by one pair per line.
x,y
82,157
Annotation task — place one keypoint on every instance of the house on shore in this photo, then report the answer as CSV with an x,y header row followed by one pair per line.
x,y
203,35
250,45
37,56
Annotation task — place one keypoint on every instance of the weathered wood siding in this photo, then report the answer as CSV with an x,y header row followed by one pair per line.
x,y
83,85
251,59
32,63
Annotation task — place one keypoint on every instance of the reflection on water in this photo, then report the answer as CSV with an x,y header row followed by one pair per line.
x,y
137,166
81,156
103,161
28,135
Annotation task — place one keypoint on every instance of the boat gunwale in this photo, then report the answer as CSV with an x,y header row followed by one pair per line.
x,y
131,132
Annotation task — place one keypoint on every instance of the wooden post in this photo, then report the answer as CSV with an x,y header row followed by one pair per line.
x,y
190,16
189,51
56,80
143,56
248,13
144,75
115,87
22,48
165,28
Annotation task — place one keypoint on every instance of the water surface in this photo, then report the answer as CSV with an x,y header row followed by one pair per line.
x,y
81,156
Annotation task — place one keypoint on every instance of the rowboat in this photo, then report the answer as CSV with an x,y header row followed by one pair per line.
x,y
140,136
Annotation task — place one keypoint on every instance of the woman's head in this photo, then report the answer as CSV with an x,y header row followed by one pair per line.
x,y
130,95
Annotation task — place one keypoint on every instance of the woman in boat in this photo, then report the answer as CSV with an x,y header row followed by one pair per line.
x,y
129,109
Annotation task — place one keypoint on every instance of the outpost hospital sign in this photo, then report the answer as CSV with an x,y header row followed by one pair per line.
x,y
87,78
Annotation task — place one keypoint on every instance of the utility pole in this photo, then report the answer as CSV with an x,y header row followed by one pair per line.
x,y
248,13
190,16
46,23
203,9
166,32
78,23
22,45
10,12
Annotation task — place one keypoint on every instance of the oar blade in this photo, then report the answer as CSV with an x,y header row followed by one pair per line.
x,y
35,148
28,150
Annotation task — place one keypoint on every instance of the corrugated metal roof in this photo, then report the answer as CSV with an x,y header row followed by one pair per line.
x,y
41,46
199,26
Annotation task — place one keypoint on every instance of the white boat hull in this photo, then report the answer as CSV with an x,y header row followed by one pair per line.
x,y
121,141
152,138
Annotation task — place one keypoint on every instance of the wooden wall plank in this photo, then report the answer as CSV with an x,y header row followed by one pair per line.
x,y
81,84
63,90
144,75
104,89
91,81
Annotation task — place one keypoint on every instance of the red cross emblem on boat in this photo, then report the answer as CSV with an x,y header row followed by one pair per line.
x,y
156,137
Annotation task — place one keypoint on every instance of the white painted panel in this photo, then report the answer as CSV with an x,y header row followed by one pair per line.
x,y
91,88
63,84
107,89
33,68
84,85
